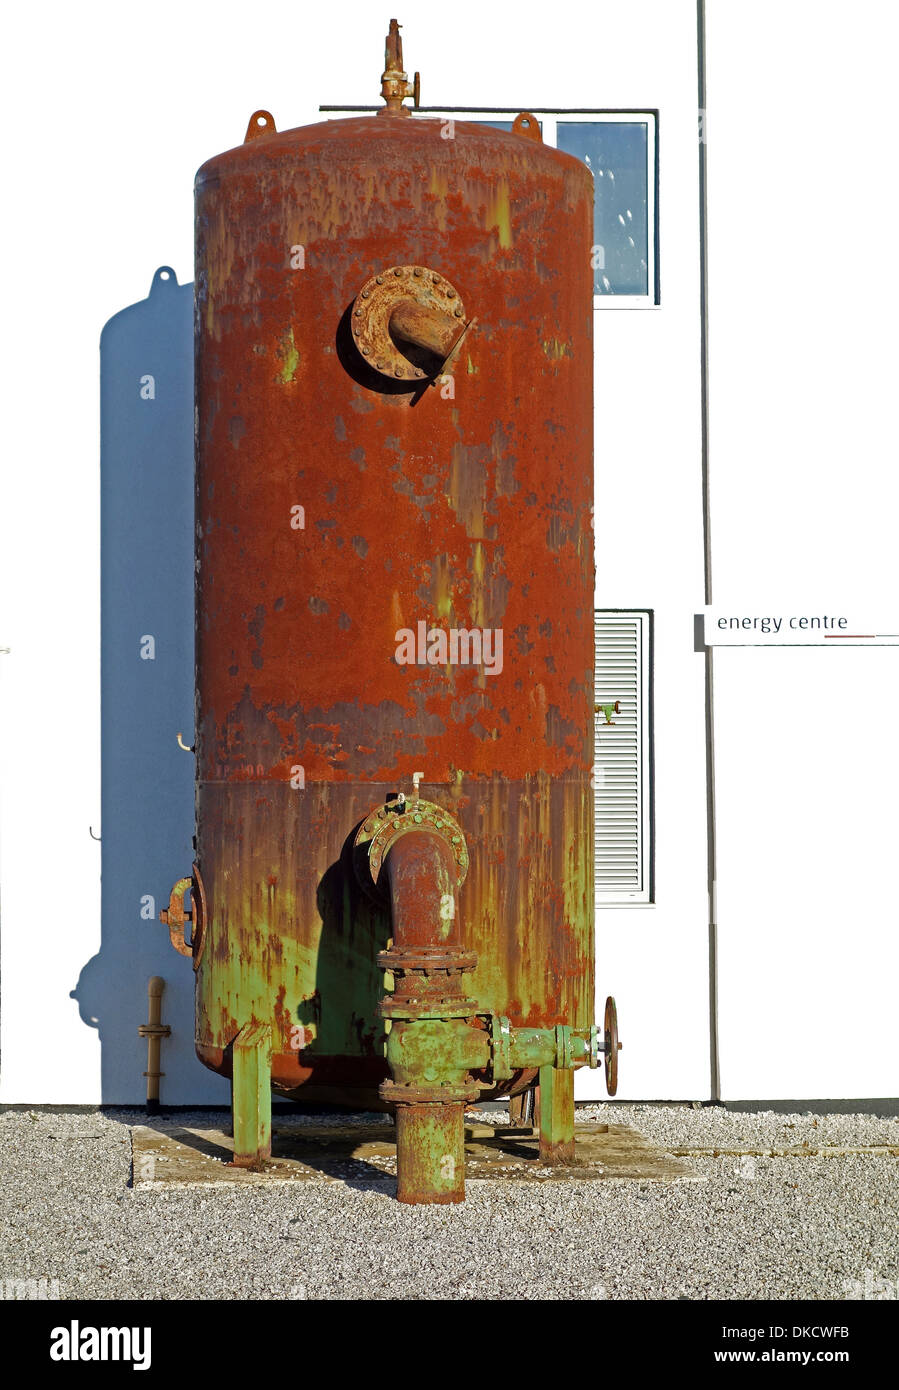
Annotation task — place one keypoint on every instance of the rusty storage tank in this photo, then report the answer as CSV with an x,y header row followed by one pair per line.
x,y
392,904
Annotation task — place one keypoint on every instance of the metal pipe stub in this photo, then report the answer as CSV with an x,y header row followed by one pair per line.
x,y
154,1030
406,320
562,1047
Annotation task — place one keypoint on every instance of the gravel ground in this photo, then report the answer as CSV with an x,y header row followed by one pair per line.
x,y
783,1228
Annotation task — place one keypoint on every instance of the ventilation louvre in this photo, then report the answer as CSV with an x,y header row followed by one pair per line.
x,y
621,806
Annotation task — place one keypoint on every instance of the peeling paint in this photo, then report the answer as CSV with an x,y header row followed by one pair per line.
x,y
291,358
499,213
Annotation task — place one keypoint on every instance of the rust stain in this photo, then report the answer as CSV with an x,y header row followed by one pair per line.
x,y
472,509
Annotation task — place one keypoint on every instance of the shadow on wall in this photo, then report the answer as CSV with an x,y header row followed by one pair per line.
x,y
147,511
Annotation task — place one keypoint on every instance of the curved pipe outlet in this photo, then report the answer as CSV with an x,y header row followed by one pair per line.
x,y
422,879
421,326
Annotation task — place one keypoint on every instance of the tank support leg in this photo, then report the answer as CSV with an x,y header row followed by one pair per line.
x,y
251,1095
556,1115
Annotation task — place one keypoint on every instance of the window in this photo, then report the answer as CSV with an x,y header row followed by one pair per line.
x,y
622,807
620,147
618,152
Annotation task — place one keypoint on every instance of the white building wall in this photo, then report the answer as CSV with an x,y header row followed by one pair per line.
x,y
649,550
803,308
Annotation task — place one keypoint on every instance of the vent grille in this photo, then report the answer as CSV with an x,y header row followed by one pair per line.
x,y
621,795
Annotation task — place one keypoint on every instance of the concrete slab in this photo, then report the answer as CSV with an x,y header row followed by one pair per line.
x,y
168,1154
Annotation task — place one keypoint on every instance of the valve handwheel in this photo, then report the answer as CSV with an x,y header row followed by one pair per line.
x,y
612,1046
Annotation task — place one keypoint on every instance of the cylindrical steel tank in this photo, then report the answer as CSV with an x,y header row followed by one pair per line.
x,y
346,516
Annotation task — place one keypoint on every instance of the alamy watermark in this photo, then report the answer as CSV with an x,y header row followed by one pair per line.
x,y
32,1290
77,1343
456,646
868,1288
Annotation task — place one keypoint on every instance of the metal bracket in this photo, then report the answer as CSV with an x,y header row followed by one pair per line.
x,y
261,123
527,125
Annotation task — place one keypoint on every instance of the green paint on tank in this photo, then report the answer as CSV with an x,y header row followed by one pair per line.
x,y
291,357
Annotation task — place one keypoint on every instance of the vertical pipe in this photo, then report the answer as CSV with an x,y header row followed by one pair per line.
x,y
430,1046
154,1030
711,824
430,1152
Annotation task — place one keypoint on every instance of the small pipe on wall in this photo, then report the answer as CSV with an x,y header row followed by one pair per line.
x,y
154,1030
